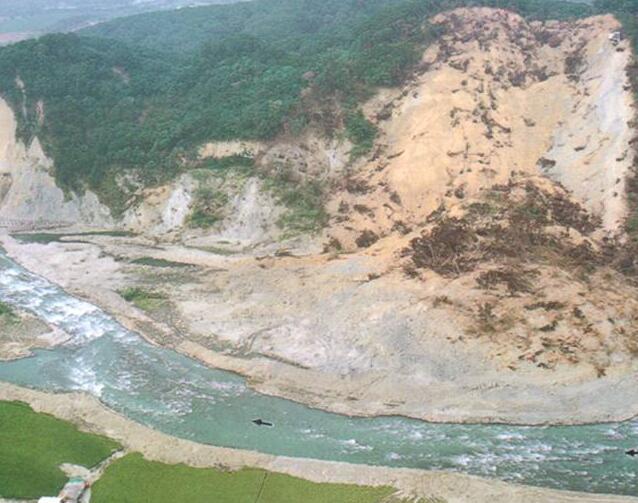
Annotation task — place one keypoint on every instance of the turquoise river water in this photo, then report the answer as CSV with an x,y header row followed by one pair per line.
x,y
177,395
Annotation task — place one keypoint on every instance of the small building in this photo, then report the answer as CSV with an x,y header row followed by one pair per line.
x,y
49,499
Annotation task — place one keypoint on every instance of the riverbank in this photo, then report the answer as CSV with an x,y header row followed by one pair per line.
x,y
214,306
90,416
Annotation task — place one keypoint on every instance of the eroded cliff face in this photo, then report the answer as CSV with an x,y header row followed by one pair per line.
x,y
499,175
500,100
28,192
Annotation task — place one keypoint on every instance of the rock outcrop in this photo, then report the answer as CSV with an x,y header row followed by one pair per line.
x,y
28,193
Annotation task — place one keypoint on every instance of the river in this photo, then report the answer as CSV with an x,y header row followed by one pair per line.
x,y
179,396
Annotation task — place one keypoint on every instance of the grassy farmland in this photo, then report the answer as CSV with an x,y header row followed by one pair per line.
x,y
33,446
133,479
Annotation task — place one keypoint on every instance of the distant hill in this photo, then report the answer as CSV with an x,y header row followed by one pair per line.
x,y
21,19
281,20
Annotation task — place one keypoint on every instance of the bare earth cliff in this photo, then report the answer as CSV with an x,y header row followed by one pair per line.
x,y
464,273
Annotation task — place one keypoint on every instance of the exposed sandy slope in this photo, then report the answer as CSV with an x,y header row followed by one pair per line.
x,y
91,416
501,98
498,307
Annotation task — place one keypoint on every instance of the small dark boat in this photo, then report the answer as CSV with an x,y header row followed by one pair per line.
x,y
632,452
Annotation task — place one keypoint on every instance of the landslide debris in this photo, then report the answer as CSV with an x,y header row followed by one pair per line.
x,y
498,98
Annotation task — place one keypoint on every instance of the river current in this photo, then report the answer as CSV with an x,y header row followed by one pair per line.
x,y
177,395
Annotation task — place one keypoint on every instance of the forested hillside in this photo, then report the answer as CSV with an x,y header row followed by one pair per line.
x,y
141,92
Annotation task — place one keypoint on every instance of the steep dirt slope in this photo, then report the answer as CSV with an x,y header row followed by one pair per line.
x,y
500,99
499,169
465,273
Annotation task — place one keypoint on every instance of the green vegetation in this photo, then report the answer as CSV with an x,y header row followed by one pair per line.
x,y
33,446
137,95
217,250
361,132
7,313
236,163
303,199
299,21
143,299
207,208
157,262
46,237
133,479
38,237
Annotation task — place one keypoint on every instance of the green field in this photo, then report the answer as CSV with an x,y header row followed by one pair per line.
x,y
133,479
33,446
